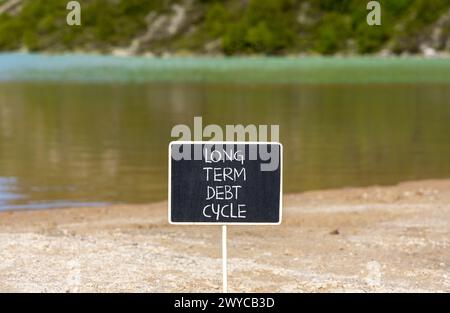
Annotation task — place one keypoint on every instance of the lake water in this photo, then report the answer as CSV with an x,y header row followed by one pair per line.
x,y
69,143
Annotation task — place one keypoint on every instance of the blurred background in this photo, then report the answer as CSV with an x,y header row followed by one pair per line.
x,y
86,111
226,26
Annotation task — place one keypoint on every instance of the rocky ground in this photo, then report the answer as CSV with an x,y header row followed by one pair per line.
x,y
376,239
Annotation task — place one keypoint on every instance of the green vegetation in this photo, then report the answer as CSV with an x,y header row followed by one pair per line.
x,y
264,27
239,27
41,25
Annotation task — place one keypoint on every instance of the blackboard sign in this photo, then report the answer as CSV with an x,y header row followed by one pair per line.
x,y
225,182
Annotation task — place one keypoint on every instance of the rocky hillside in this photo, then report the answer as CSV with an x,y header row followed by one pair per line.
x,y
227,27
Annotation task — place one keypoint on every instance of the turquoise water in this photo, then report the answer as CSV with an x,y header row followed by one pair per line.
x,y
311,70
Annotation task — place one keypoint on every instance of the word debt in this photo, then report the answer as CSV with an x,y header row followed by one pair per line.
x,y
225,192
230,210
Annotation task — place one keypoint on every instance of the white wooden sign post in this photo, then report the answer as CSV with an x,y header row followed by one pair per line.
x,y
224,259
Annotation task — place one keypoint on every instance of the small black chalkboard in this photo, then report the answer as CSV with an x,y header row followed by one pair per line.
x,y
225,182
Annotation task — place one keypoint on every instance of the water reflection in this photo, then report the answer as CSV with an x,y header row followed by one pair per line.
x,y
71,144
10,199
7,192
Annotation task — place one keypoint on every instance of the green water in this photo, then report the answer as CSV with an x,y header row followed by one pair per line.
x,y
237,70
71,143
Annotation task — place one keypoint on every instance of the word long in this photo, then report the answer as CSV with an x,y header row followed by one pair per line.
x,y
216,156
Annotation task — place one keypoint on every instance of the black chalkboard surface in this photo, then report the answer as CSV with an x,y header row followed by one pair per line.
x,y
225,182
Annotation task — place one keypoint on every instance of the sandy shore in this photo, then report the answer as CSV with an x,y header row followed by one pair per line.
x,y
359,239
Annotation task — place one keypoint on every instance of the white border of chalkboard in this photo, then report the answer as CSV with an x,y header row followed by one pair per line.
x,y
224,143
